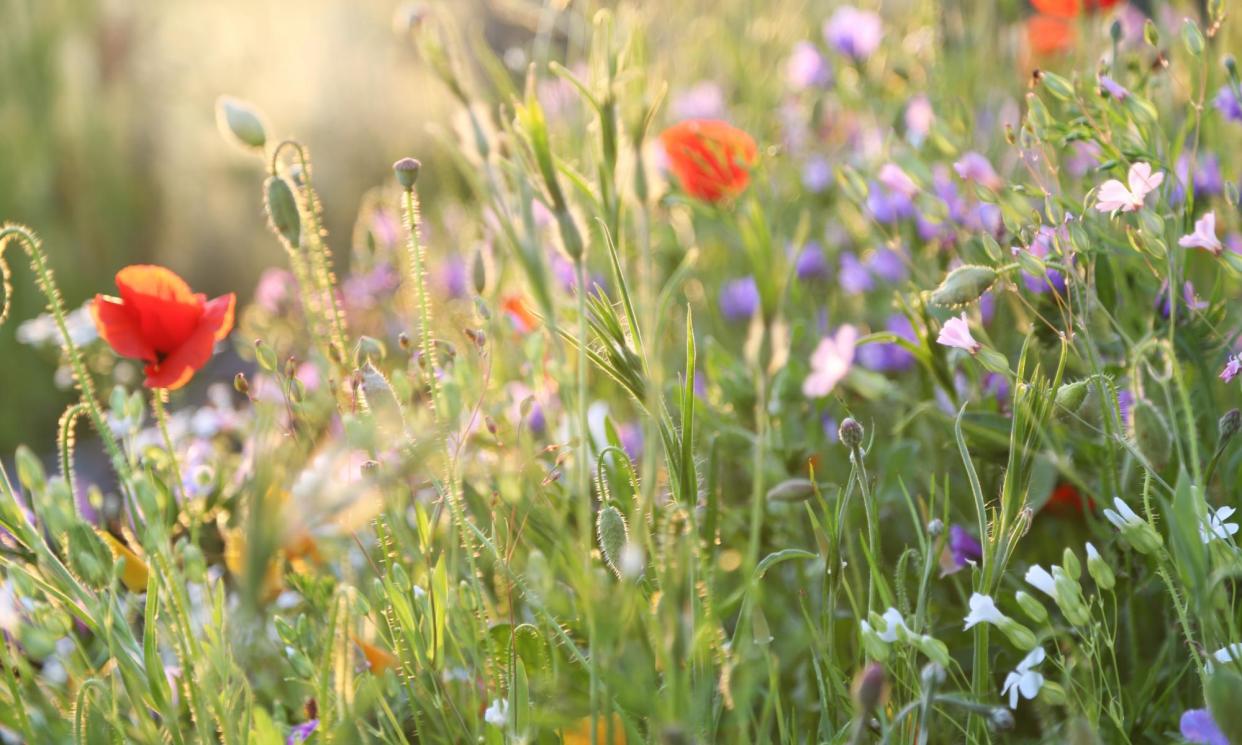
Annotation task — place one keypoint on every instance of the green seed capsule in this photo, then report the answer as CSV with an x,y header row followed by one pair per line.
x,y
241,120
791,490
964,284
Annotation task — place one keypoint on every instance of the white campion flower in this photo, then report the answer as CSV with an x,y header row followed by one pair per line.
x,y
892,622
1041,580
1024,682
1123,517
983,610
1214,527
497,714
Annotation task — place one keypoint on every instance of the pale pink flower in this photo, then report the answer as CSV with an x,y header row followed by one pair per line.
x,y
956,333
1232,368
897,180
831,361
1204,236
1115,196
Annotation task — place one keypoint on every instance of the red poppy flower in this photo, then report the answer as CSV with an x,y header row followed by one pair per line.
x,y
1049,35
1066,500
158,320
710,158
1071,8
520,315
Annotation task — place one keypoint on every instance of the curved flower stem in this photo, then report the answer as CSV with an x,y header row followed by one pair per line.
x,y
873,519
86,387
64,445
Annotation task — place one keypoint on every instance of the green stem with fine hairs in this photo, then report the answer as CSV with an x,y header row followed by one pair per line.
x,y
86,387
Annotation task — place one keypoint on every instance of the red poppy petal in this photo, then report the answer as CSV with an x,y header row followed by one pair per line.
x,y
176,370
162,302
118,327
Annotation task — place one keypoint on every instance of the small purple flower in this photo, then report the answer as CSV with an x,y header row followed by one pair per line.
x,y
1232,368
853,276
1198,726
811,263
276,288
897,180
964,547
1041,247
976,167
816,174
831,430
887,206
854,33
386,227
300,733
1085,155
1191,299
739,299
364,291
703,100
1125,404
889,357
1207,180
987,308
1113,89
887,264
453,276
1228,105
631,436
985,218
806,67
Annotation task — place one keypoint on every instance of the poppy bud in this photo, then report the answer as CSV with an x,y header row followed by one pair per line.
x,y
963,285
1229,424
870,688
613,535
241,384
406,171
282,210
935,528
241,120
850,433
478,272
792,490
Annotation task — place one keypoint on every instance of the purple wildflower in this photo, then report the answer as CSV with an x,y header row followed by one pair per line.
x,y
1085,155
963,546
1041,247
1113,89
1125,404
385,227
300,733
811,263
1207,180
364,291
853,276
1232,368
631,436
889,357
276,289
1191,299
806,67
1228,105
816,174
1198,726
888,206
854,33
976,167
830,427
888,264
919,119
739,299
453,276
996,386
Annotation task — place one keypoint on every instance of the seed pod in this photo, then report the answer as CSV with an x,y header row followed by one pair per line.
x,y
406,171
282,210
964,284
1070,397
1151,433
613,535
241,120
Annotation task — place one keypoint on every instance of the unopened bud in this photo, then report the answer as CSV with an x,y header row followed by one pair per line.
x,y
406,171
851,433
1031,606
1001,719
1116,31
963,285
870,688
935,528
1018,635
1099,569
1070,563
1231,66
1229,424
241,120
241,384
403,340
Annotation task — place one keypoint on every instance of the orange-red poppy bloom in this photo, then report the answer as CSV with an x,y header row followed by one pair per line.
x,y
710,158
1067,500
1049,34
1071,8
520,315
158,320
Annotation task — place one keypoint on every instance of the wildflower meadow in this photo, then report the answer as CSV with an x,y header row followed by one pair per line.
x,y
781,371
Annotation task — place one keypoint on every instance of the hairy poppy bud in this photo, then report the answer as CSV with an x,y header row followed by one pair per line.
x,y
613,535
241,120
406,171
963,285
851,433
282,210
1229,424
